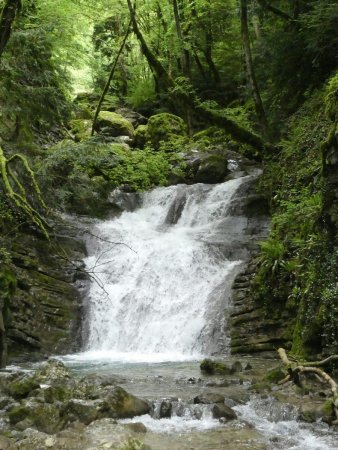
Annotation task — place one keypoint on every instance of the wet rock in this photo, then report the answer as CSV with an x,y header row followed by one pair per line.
x,y
165,409
23,386
236,367
137,427
214,367
209,398
84,411
213,169
119,404
53,370
223,411
44,417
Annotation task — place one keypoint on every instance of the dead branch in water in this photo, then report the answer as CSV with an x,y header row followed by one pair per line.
x,y
295,369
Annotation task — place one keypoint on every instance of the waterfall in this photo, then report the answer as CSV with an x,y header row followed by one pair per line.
x,y
167,279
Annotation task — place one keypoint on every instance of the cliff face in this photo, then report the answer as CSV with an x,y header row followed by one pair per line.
x,y
42,311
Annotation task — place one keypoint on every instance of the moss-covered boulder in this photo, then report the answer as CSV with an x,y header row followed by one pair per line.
x,y
23,386
165,127
141,136
120,404
81,128
213,169
42,416
52,370
211,367
113,124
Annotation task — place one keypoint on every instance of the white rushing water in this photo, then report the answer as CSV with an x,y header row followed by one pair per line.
x,y
165,289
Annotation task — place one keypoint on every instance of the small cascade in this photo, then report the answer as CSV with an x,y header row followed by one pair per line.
x,y
166,268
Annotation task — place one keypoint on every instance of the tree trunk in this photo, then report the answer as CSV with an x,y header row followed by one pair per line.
x,y
185,58
250,70
7,17
112,72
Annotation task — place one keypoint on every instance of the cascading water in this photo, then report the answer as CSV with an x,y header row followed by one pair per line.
x,y
166,287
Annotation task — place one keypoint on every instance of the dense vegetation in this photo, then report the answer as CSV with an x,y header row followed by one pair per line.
x,y
262,74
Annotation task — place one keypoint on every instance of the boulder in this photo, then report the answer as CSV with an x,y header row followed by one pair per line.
x,y
112,124
119,404
84,411
52,370
133,117
165,127
214,367
213,169
23,386
141,136
165,409
209,398
220,410
44,417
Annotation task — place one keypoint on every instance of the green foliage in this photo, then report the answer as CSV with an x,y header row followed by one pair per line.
x,y
298,266
79,175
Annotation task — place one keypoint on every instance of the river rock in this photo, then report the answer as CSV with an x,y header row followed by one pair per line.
x,y
84,411
23,386
53,370
220,410
208,398
119,404
165,409
214,367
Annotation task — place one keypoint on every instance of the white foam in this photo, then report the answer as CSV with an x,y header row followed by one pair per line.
x,y
165,290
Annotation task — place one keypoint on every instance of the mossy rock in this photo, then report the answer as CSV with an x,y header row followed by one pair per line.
x,y
141,136
81,128
120,404
112,124
214,367
44,417
165,127
213,169
22,387
53,370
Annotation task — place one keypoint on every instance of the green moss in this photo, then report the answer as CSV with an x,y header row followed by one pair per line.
x,y
18,413
114,124
141,136
22,387
214,367
81,128
275,375
167,128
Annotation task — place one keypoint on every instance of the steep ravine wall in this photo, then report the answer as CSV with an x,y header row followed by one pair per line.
x,y
44,311
253,327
